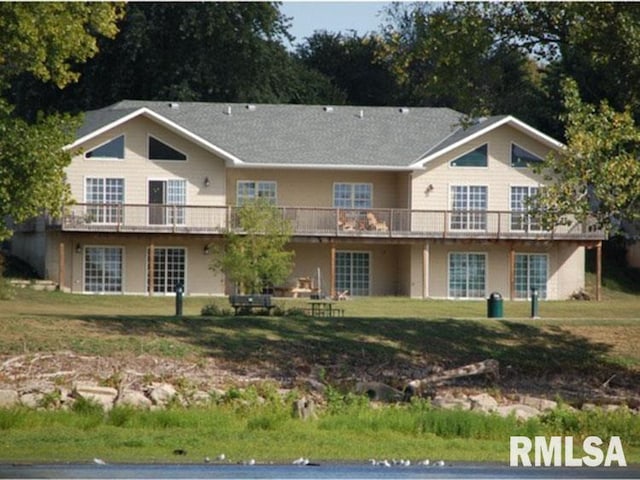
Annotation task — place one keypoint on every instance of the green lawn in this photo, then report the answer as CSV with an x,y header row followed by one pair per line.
x,y
590,341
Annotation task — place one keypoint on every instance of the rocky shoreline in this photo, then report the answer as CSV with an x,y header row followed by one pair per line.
x,y
57,380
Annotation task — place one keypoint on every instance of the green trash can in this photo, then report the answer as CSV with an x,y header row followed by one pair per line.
x,y
494,305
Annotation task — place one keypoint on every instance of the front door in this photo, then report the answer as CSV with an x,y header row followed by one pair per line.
x,y
157,211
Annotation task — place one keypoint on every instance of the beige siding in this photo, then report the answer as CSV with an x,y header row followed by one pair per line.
x,y
430,190
137,170
314,188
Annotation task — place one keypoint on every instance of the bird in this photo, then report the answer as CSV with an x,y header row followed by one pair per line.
x,y
221,457
439,463
426,462
99,461
207,460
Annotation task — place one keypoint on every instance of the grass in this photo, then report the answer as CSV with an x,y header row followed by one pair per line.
x,y
586,340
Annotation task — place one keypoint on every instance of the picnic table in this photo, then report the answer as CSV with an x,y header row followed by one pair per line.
x,y
324,308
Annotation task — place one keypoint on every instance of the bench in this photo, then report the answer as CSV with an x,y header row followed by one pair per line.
x,y
246,303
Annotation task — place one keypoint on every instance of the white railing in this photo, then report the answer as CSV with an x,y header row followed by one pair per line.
x,y
396,223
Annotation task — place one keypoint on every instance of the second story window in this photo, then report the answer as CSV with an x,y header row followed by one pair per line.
x,y
521,158
113,149
108,195
248,191
475,158
469,205
520,219
352,195
161,151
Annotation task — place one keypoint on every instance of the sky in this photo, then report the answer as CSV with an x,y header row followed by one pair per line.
x,y
337,16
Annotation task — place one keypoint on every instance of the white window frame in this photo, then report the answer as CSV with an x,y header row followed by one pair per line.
x,y
353,186
469,217
167,287
106,211
86,278
543,291
467,275
109,159
521,221
267,189
355,291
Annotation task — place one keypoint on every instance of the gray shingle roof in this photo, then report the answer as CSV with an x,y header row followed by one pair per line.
x,y
290,135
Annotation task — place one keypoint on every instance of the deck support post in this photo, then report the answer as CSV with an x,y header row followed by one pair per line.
x,y
512,272
332,274
151,265
61,266
425,271
599,271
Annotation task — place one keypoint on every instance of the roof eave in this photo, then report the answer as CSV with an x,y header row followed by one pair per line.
x,y
228,157
518,124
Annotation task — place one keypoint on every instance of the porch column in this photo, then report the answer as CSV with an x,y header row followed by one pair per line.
x,y
61,266
425,270
512,272
598,271
151,272
332,274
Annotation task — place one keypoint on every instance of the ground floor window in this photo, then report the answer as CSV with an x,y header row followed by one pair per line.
x,y
352,272
467,275
103,269
168,268
531,272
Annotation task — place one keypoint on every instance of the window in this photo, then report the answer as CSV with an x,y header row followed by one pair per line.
x,y
520,220
161,151
531,272
352,195
469,205
166,202
112,149
520,158
108,195
103,269
352,272
249,191
168,269
475,158
467,272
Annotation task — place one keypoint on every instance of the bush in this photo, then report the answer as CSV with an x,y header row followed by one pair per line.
x,y
215,310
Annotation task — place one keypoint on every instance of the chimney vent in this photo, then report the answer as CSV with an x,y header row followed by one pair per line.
x,y
404,110
328,109
251,108
174,105
228,110
361,114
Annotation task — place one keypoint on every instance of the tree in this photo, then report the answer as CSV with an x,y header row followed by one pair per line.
x,y
351,64
598,173
47,40
447,56
216,52
255,257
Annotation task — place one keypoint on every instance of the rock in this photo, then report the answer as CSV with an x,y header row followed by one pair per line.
x,y
9,398
133,398
162,394
200,398
305,408
483,402
104,396
450,402
520,411
541,404
378,391
31,400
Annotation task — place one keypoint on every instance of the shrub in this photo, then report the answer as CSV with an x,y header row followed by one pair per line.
x,y
215,310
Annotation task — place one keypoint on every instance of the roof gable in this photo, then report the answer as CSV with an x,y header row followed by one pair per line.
x,y
305,136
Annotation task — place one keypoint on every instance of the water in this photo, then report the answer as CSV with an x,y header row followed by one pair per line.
x,y
323,471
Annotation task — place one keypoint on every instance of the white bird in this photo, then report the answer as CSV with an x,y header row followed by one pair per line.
x,y
221,457
426,462
406,463
439,463
99,461
301,461
251,462
207,460
384,463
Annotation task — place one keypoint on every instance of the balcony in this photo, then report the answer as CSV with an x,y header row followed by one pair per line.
x,y
326,222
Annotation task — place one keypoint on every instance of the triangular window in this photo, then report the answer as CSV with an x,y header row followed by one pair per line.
x,y
161,151
475,158
520,158
112,149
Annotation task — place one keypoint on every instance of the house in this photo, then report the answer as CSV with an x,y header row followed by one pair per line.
x,y
382,200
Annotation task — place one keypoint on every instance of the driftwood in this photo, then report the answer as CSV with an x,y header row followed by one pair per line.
x,y
417,387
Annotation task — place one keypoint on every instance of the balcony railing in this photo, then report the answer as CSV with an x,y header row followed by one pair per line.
x,y
329,222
